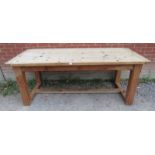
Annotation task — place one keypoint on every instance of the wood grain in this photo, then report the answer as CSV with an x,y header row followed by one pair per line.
x,y
21,81
117,76
77,68
132,84
77,56
78,59
77,91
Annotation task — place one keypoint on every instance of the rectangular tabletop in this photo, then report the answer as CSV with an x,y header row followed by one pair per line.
x,y
77,56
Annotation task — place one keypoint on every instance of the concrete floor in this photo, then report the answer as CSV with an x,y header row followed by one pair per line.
x,y
76,102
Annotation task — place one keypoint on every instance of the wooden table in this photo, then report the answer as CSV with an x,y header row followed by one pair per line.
x,y
78,59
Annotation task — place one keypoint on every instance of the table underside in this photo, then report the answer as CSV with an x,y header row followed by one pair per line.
x,y
128,95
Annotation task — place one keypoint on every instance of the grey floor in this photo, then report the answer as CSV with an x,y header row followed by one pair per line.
x,y
144,101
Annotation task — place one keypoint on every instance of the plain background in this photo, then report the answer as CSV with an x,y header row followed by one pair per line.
x,y
87,21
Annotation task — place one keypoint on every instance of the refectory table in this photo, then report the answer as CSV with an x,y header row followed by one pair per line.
x,y
78,59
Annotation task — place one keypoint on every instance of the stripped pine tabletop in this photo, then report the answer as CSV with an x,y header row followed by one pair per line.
x,y
77,56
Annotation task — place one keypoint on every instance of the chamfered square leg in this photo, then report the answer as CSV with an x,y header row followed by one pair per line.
x,y
117,83
38,84
132,84
23,87
38,77
117,77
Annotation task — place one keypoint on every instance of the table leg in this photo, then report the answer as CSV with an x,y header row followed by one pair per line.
x,y
38,83
118,77
132,84
38,78
117,83
22,83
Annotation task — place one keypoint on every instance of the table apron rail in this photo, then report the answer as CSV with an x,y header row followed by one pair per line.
x,y
75,68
